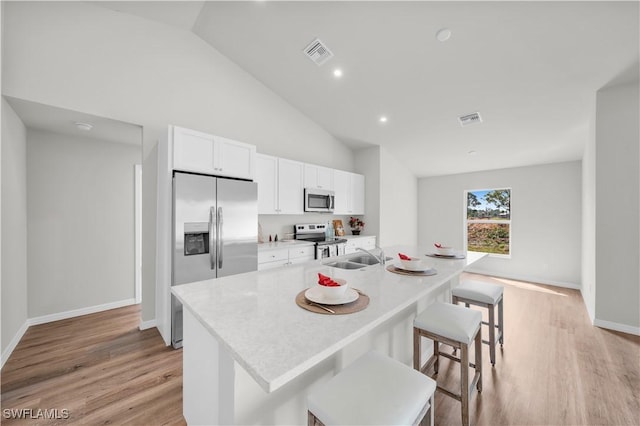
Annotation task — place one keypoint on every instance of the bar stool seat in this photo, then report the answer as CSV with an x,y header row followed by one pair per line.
x,y
446,320
374,389
457,327
480,291
488,296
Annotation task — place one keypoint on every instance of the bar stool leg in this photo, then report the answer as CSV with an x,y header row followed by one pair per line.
x,y
416,349
492,335
464,383
429,418
478,368
501,322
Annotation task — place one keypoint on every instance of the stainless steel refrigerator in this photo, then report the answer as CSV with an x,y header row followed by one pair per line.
x,y
215,233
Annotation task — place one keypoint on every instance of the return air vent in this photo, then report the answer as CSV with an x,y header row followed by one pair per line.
x,y
469,119
318,52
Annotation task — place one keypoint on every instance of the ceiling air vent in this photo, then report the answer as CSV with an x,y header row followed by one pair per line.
x,y
318,52
469,119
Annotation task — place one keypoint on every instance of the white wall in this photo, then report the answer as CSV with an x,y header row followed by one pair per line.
x,y
368,163
617,230
545,214
90,59
80,222
391,197
588,288
14,229
398,202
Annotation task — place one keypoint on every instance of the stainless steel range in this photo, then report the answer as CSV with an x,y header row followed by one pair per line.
x,y
326,246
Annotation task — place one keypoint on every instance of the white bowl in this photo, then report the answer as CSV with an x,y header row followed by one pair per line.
x,y
334,292
412,265
418,265
445,251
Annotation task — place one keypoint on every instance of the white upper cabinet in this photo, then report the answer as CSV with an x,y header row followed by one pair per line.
x,y
318,177
267,179
280,185
199,152
193,151
357,193
349,192
290,187
236,159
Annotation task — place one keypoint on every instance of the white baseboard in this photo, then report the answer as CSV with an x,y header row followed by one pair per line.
x,y
13,343
144,325
531,279
60,316
82,311
624,328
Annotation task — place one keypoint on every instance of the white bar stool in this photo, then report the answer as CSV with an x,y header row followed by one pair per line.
x,y
486,295
374,389
457,327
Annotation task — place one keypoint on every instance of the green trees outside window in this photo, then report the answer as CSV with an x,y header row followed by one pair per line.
x,y
488,226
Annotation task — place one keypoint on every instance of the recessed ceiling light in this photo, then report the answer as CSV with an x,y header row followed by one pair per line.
x,y
383,119
443,34
337,73
83,126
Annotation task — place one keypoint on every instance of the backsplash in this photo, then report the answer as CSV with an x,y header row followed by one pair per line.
x,y
282,224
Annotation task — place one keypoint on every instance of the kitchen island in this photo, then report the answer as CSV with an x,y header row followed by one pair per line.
x,y
251,354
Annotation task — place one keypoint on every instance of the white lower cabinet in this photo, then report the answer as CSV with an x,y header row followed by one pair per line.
x,y
274,258
301,254
268,259
367,242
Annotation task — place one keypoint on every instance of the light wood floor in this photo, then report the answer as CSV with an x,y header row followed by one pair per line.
x,y
555,369
100,367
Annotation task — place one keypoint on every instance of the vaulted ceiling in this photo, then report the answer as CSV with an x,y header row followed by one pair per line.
x,y
531,69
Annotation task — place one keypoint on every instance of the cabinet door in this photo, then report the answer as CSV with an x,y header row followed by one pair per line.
x,y
234,159
267,179
290,187
193,151
318,177
302,254
357,193
368,243
350,247
310,176
342,189
277,255
272,265
325,178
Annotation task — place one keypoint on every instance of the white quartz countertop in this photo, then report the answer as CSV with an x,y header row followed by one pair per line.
x,y
255,316
283,244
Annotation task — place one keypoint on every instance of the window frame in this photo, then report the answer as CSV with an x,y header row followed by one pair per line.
x,y
509,221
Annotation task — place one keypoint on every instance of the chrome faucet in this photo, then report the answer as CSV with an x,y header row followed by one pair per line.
x,y
380,259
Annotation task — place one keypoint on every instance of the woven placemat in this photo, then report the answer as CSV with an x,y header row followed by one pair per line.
x,y
347,308
440,256
397,270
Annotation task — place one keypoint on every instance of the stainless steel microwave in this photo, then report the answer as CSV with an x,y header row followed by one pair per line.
x,y
318,200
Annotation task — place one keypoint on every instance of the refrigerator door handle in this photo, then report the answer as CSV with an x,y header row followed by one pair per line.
x,y
212,238
220,236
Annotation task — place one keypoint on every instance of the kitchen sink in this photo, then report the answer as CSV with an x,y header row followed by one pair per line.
x,y
364,259
346,265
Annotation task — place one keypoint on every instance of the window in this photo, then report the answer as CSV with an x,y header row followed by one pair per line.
x,y
488,224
